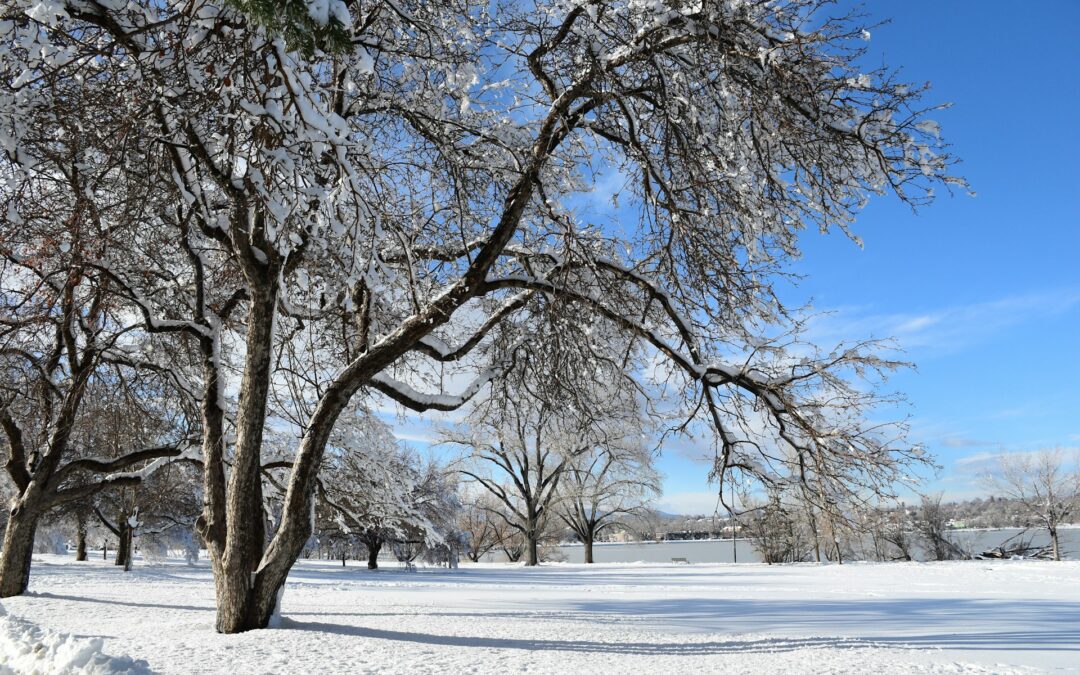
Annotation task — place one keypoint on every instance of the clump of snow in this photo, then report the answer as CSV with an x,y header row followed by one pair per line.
x,y
26,649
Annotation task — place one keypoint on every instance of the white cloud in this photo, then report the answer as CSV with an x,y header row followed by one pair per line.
x,y
944,329
690,503
963,442
967,477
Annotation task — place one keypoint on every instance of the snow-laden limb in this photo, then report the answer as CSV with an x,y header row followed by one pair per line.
x,y
409,397
26,648
293,227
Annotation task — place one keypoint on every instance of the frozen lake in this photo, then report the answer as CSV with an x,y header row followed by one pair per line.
x,y
721,551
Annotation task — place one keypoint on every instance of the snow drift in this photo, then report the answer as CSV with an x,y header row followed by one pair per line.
x,y
25,649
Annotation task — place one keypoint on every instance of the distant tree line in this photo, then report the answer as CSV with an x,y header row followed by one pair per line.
x,y
1037,491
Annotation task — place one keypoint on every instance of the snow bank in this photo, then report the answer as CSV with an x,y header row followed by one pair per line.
x,y
25,649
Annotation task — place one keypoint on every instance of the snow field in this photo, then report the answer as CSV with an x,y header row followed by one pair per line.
x,y
26,649
964,617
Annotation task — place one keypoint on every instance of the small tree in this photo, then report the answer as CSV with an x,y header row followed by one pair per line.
x,y
776,532
932,527
603,484
479,523
1046,489
896,530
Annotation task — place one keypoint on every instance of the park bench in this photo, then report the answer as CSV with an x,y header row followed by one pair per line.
x,y
684,561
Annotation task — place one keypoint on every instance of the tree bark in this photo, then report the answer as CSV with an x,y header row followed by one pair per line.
x,y
532,552
588,549
123,547
1054,543
80,538
374,546
245,602
18,549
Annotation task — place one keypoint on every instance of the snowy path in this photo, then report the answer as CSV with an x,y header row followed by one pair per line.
x,y
941,617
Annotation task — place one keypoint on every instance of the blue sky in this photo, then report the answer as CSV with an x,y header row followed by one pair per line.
x,y
982,292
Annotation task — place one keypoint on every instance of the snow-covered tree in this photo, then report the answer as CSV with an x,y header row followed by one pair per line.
x,y
605,484
932,526
415,196
480,525
1045,486
71,348
375,490
162,509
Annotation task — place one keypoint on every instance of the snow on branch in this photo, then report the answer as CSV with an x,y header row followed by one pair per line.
x,y
412,399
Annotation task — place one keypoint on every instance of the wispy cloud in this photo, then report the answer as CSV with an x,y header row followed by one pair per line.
x,y
944,329
973,469
690,503
962,442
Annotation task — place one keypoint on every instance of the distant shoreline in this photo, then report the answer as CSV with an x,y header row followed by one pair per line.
x,y
651,543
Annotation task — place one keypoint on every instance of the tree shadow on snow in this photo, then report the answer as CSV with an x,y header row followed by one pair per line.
x,y
123,603
636,648
949,623
946,623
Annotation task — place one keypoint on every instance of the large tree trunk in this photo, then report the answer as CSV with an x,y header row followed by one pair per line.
x,y
18,549
240,609
80,538
243,604
1054,543
374,545
532,546
588,549
123,547
129,547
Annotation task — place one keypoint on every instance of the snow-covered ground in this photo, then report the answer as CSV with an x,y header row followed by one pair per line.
x,y
615,618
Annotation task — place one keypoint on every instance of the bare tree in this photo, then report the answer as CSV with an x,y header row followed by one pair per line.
x,y
777,530
896,529
604,484
1045,487
932,525
480,526
527,451
511,541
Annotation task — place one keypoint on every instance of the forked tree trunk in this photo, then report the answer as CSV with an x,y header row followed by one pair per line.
x,y
245,599
18,548
242,609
